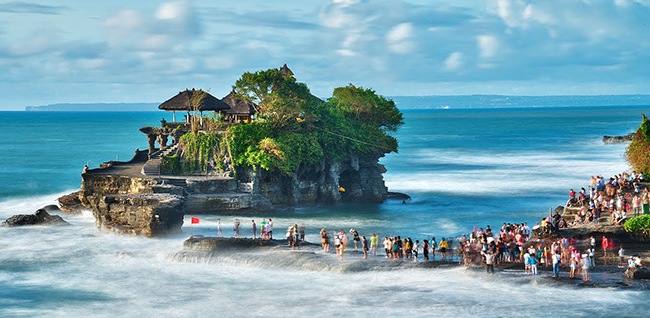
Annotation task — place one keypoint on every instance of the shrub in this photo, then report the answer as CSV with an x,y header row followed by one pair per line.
x,y
639,225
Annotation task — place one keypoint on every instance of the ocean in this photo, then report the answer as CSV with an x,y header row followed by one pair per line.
x,y
462,168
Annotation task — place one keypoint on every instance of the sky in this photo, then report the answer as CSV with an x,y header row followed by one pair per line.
x,y
79,51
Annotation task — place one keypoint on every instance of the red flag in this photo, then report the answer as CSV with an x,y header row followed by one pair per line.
x,y
195,220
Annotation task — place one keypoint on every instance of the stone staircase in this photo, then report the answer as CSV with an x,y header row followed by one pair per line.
x,y
152,166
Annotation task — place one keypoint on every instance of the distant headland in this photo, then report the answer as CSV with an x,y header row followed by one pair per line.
x,y
417,102
95,107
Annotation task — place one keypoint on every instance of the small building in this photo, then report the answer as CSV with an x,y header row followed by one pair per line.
x,y
240,110
193,101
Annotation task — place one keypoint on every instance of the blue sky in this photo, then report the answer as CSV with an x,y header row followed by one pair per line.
x,y
60,51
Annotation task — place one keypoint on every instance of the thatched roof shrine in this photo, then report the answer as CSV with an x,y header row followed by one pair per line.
x,y
238,106
286,71
192,100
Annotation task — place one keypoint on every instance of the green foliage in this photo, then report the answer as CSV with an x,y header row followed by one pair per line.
x,y
200,149
645,128
171,165
366,106
639,225
638,151
279,97
293,127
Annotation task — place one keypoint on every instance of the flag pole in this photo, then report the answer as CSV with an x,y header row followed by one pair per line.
x,y
191,228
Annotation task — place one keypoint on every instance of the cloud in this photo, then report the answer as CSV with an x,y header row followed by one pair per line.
x,y
26,7
488,45
39,41
454,61
399,39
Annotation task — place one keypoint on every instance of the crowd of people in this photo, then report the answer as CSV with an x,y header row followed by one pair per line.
x,y
620,197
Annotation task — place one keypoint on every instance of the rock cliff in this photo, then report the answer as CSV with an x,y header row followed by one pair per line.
x,y
133,203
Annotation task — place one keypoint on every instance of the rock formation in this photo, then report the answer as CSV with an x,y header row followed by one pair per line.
x,y
41,217
618,139
143,214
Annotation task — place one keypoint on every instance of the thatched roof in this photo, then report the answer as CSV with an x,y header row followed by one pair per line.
x,y
190,100
286,71
238,106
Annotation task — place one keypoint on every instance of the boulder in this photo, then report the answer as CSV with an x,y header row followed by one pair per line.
x,y
155,214
70,202
637,273
40,217
618,139
201,243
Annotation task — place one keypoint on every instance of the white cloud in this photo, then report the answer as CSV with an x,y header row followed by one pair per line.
x,y
122,26
488,45
40,41
399,39
454,61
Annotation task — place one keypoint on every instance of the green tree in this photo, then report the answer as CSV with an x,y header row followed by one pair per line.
x,y
278,97
638,151
368,107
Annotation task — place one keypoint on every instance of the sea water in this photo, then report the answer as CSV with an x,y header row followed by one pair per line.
x,y
462,168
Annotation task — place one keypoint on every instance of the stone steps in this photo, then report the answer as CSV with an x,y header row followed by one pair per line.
x,y
152,167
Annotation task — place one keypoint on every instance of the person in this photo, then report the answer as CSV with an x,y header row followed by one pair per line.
x,y
364,247
355,238
621,255
270,224
254,229
532,260
302,233
218,227
296,238
323,235
434,246
263,233
443,249
604,245
489,261
556,263
374,241
415,250
387,246
425,250
341,250
236,227
585,268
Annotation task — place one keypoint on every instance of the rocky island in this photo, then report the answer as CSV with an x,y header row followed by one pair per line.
x,y
269,143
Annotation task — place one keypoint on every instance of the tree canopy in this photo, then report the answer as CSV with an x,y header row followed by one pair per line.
x,y
638,151
295,127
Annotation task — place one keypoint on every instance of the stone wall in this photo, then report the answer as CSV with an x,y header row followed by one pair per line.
x,y
105,184
142,214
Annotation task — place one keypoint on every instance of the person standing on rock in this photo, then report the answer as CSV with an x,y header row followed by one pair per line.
x,y
364,247
425,250
374,241
270,225
556,264
254,229
236,228
605,245
489,261
218,227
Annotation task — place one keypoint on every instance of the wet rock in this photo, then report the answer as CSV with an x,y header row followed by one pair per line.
x,y
155,214
40,217
618,139
638,273
201,243
70,203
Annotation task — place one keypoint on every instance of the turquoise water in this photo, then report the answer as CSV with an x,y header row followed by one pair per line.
x,y
463,168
